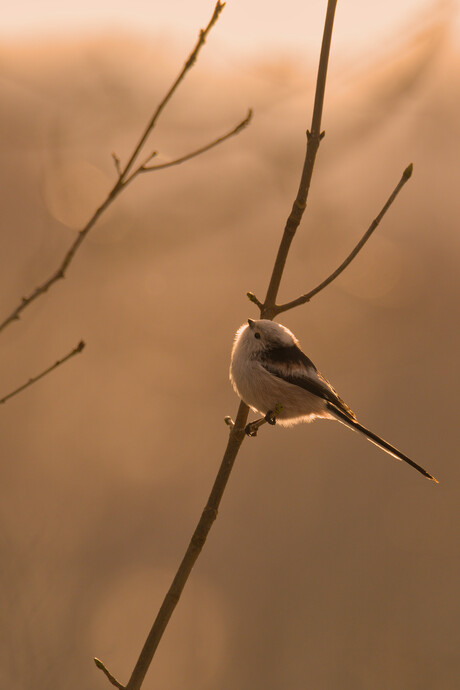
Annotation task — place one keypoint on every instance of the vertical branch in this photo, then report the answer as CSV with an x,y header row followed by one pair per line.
x,y
237,430
314,137
268,310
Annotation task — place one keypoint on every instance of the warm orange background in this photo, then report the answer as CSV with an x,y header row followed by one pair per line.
x,y
331,566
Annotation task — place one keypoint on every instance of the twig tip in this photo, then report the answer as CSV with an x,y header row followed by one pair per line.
x,y
244,123
105,670
408,171
252,298
117,164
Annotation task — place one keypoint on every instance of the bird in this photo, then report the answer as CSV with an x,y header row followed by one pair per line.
x,y
271,374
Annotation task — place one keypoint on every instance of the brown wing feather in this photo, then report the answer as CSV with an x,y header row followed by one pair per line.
x,y
292,365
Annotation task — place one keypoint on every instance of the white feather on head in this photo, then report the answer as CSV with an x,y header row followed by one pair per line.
x,y
264,334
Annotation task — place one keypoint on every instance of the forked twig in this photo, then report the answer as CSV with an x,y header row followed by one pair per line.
x,y
161,166
124,175
335,274
34,379
188,64
268,309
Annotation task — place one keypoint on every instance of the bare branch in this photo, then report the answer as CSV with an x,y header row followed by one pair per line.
x,y
307,297
117,164
150,157
111,678
252,298
268,310
60,272
236,437
237,430
122,179
33,380
188,65
161,166
314,137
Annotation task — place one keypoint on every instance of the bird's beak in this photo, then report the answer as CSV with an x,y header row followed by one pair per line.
x,y
251,323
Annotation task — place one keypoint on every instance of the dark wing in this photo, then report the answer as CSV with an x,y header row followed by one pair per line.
x,y
292,365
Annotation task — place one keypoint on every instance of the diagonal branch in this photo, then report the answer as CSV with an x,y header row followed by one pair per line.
x,y
278,309
123,177
209,514
34,379
161,166
196,544
188,65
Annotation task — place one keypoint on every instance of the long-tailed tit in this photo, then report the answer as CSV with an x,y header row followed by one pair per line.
x,y
273,376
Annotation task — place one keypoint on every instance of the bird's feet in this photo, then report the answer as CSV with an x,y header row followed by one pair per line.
x,y
270,417
253,427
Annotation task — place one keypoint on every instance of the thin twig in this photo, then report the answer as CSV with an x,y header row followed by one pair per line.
x,y
117,164
188,64
33,380
150,157
307,297
60,272
161,166
314,137
236,437
122,178
111,678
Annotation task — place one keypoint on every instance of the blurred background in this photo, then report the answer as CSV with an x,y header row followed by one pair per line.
x,y
331,565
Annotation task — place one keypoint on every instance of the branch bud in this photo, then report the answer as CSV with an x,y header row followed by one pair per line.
x,y
408,171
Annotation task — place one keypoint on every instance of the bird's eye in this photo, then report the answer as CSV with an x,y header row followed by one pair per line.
x,y
257,335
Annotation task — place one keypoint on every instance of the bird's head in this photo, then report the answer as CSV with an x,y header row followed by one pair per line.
x,y
258,336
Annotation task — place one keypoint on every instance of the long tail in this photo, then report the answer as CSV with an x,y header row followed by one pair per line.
x,y
373,438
